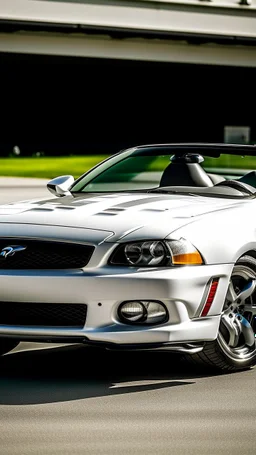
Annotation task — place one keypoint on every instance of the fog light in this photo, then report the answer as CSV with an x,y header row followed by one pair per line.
x,y
143,312
132,312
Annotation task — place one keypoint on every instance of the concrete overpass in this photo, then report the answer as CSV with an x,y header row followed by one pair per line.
x,y
189,31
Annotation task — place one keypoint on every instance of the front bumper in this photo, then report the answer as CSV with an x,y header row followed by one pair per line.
x,y
181,289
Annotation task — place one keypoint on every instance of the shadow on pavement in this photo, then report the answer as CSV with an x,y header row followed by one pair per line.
x,y
79,372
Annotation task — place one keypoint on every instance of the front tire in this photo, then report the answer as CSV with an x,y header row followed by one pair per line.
x,y
235,347
7,345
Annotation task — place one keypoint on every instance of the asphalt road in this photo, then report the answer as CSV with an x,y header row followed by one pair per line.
x,y
14,189
75,400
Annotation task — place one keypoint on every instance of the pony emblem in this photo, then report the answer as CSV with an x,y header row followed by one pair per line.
x,y
11,250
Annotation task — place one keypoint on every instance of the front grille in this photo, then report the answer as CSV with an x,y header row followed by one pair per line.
x,y
43,314
41,254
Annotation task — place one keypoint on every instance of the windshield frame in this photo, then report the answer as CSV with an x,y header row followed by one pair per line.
x,y
177,150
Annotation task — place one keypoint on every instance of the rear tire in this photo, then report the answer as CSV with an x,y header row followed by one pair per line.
x,y
7,345
235,347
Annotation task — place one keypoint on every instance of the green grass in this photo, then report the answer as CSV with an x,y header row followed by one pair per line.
x,y
48,167
224,162
233,162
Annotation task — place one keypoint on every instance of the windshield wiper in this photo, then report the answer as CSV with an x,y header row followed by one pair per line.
x,y
169,191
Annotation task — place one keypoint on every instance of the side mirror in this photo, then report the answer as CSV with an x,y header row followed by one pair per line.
x,y
60,185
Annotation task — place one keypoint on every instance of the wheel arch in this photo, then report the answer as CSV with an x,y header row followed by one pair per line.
x,y
235,348
251,253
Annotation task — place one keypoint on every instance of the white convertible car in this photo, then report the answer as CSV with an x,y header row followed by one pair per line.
x,y
150,249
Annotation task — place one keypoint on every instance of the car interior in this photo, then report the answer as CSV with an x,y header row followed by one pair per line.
x,y
185,172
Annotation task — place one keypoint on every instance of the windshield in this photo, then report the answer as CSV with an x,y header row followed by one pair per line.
x,y
159,169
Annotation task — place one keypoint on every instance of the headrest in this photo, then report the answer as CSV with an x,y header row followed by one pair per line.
x,y
185,174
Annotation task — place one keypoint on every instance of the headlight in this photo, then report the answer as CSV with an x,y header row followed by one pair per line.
x,y
156,253
150,253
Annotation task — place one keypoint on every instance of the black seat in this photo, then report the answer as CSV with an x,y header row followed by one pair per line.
x,y
185,171
249,179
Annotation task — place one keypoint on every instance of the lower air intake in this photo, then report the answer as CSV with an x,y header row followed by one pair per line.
x,y
43,314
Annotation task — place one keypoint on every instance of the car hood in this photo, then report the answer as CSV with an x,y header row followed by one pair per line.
x,y
108,216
